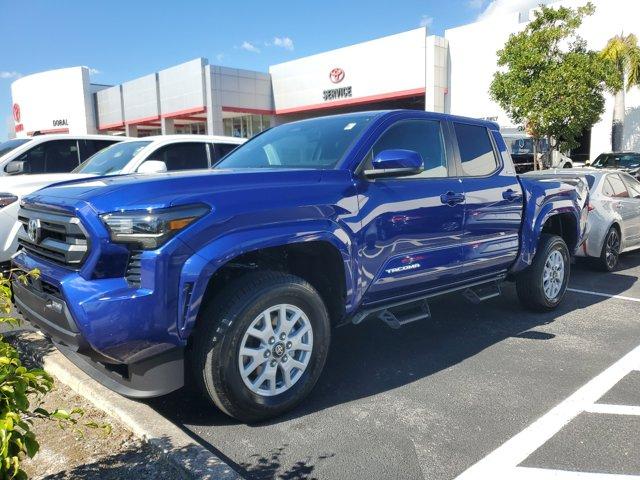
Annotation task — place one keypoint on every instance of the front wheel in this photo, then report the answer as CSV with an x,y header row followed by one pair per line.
x,y
543,284
261,345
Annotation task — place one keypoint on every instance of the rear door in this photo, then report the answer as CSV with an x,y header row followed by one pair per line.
x,y
494,201
632,205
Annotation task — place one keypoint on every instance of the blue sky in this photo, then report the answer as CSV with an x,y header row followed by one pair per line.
x,y
120,40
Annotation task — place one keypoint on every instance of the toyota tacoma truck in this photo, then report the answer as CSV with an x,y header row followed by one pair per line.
x,y
233,278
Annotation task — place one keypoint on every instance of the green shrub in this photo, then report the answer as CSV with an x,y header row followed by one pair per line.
x,y
17,385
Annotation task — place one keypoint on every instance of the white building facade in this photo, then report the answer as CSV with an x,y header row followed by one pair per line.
x,y
408,70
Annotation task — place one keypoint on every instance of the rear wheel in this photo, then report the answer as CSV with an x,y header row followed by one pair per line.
x,y
610,251
261,345
541,287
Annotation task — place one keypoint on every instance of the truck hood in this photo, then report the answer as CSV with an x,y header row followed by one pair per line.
x,y
24,184
138,191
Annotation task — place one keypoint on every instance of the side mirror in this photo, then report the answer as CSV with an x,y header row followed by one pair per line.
x,y
395,163
152,166
14,168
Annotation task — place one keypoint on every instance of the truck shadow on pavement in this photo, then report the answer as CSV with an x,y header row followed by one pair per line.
x,y
371,358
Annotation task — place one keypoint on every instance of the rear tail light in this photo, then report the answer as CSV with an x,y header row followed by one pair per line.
x,y
590,207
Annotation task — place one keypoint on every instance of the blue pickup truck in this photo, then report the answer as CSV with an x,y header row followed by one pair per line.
x,y
234,278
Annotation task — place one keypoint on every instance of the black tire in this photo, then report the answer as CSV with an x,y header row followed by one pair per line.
x,y
219,333
610,251
530,283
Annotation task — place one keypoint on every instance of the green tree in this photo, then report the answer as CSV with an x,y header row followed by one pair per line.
x,y
548,80
623,56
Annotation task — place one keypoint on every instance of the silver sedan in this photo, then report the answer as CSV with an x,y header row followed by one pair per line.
x,y
614,214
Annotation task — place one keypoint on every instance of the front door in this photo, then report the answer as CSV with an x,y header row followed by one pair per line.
x,y
411,226
634,204
625,206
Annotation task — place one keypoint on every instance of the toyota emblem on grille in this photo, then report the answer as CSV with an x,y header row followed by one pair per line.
x,y
33,230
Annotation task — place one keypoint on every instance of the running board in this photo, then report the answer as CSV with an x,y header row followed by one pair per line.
x,y
407,311
396,317
480,293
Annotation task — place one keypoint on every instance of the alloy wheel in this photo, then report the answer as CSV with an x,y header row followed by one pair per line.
x,y
275,350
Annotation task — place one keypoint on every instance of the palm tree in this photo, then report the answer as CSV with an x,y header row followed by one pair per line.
x,y
624,54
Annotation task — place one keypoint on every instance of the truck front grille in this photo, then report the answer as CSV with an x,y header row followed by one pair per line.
x,y
55,236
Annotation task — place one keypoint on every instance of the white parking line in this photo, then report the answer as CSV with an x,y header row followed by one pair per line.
x,y
599,294
610,409
527,473
503,462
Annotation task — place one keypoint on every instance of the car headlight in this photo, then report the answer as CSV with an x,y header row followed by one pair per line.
x,y
151,228
7,199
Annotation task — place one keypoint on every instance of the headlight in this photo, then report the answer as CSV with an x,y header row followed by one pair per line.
x,y
7,199
151,228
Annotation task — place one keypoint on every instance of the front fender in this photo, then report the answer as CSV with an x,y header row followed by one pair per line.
x,y
200,267
544,199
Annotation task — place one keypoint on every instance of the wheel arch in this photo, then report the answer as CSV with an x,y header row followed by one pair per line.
x,y
321,258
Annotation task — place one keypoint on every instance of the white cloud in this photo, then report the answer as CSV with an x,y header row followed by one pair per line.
x,y
500,7
475,4
426,21
284,42
220,57
94,71
7,75
249,47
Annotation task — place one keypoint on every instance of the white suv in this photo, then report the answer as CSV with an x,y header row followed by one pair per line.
x,y
140,155
59,153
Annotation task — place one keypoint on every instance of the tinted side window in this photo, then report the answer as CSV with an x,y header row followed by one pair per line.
x,y
618,187
476,150
182,156
89,147
221,149
422,136
56,156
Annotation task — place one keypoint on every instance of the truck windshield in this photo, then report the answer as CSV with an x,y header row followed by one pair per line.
x,y
617,160
6,147
111,160
318,143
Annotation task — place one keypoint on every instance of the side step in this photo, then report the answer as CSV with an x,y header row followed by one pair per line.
x,y
480,293
396,317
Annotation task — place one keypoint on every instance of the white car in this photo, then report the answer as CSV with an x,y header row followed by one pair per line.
x,y
613,224
140,155
58,153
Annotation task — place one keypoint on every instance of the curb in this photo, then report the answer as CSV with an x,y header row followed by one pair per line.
x,y
143,421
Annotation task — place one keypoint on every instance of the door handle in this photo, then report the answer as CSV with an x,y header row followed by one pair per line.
x,y
511,195
451,198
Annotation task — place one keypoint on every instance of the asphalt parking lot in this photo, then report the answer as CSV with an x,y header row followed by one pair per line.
x,y
434,399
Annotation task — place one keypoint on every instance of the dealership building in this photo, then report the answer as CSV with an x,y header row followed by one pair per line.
x,y
412,69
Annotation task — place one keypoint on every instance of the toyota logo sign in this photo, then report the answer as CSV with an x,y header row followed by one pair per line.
x,y
336,75
16,112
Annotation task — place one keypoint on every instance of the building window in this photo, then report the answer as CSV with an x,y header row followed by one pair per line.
x,y
245,126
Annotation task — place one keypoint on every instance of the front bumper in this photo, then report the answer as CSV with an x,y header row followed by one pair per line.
x,y
94,328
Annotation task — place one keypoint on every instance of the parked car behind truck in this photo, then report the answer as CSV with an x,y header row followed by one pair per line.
x,y
143,155
236,276
55,153
614,214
